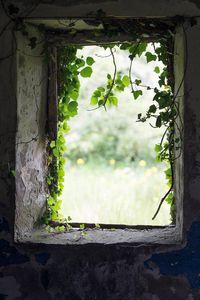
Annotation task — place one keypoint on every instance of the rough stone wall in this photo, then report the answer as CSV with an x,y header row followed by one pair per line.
x,y
102,272
31,141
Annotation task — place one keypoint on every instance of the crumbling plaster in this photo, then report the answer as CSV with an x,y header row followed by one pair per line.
x,y
114,272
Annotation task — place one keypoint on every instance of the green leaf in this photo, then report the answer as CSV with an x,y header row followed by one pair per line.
x,y
73,108
97,93
152,109
158,121
168,173
82,226
52,144
90,61
86,72
157,70
126,80
150,57
137,81
137,93
141,48
74,94
100,102
113,100
13,173
158,148
101,89
93,100
55,152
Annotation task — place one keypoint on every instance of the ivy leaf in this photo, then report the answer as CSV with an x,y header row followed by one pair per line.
x,y
169,199
150,57
157,70
52,144
152,109
100,102
73,108
55,152
97,93
86,72
101,89
141,48
79,62
158,148
113,100
126,80
168,173
137,93
82,226
158,121
74,94
93,100
137,81
90,61
13,173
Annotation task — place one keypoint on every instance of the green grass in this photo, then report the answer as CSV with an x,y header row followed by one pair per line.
x,y
128,195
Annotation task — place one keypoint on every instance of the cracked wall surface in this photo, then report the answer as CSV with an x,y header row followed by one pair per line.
x,y
92,272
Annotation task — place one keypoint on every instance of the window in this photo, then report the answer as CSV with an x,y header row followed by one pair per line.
x,y
111,172
31,161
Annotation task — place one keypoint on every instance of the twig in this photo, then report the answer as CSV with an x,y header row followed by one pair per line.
x,y
131,65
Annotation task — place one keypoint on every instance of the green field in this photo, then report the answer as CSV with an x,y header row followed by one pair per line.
x,y
111,173
115,195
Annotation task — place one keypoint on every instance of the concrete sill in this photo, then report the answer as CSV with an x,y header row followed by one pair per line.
x,y
163,236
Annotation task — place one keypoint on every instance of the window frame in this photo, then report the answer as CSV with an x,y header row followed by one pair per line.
x,y
169,234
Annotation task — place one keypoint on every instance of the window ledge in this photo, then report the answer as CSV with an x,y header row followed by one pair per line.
x,y
163,236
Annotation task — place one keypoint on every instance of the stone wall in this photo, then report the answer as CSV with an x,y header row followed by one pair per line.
x,y
93,272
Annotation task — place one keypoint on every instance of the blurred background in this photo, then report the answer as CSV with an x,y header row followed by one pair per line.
x,y
111,173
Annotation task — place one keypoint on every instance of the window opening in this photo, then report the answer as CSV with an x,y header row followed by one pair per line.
x,y
164,112
111,175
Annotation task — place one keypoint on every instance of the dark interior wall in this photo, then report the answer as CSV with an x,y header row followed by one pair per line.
x,y
96,271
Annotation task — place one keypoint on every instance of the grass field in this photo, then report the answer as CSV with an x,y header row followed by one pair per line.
x,y
115,195
124,184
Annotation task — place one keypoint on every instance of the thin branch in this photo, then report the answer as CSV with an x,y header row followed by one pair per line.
x,y
131,65
161,201
172,183
114,77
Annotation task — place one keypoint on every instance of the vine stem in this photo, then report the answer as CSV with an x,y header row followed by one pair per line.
x,y
114,77
172,184
131,65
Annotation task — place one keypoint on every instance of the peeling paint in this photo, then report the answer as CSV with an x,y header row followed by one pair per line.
x,y
185,262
